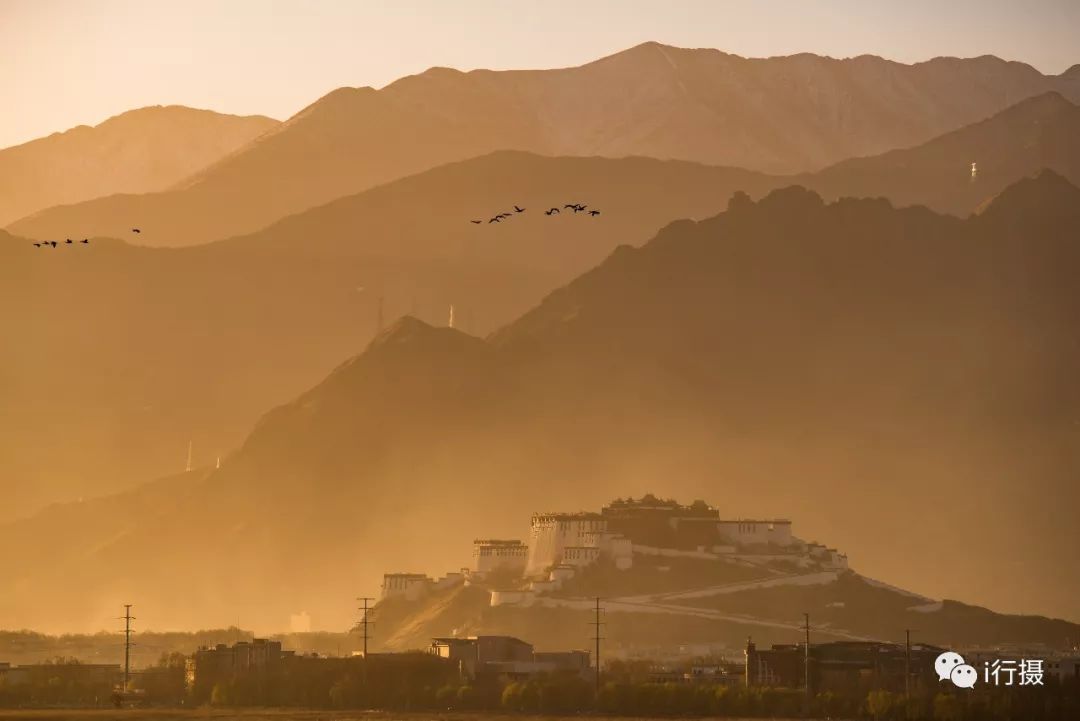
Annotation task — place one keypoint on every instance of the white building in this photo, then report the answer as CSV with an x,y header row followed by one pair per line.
x,y
614,546
551,533
497,555
580,555
749,532
410,586
828,557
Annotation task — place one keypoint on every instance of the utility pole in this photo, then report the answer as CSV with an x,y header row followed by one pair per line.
x,y
364,624
907,672
596,624
364,620
127,618
806,661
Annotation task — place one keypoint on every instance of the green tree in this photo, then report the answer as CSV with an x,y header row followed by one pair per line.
x,y
466,697
947,707
881,704
511,696
446,696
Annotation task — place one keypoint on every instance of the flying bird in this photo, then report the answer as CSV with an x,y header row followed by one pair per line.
x,y
594,212
496,219
569,205
518,210
37,245
553,211
52,243
85,240
69,241
476,221
135,230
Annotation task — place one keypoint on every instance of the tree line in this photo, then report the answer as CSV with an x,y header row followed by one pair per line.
x,y
420,682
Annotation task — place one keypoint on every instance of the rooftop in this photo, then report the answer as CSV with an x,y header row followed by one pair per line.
x,y
449,640
649,502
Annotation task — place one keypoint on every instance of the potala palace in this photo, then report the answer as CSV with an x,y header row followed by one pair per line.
x,y
560,545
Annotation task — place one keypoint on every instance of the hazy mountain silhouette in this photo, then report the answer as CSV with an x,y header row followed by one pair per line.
x,y
120,355
419,221
140,151
783,114
1040,132
901,383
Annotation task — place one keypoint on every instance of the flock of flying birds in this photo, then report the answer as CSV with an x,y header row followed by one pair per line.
x,y
68,241
54,243
576,207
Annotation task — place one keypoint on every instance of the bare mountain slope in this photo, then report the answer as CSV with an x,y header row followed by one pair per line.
x,y
140,151
1040,132
122,354
778,115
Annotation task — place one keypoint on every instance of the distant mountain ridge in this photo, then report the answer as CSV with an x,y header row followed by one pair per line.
x,y
852,356
323,271
1040,132
305,291
140,151
778,115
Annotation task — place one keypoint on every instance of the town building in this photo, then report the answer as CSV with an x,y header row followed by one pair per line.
x,y
208,665
505,656
102,676
1063,668
851,666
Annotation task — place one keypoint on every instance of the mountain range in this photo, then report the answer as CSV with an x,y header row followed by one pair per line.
x,y
121,354
777,115
307,289
787,357
1040,132
140,151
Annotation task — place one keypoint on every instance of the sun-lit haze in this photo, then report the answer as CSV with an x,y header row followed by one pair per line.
x,y
745,320
65,63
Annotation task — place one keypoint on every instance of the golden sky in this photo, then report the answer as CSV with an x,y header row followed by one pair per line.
x,y
70,62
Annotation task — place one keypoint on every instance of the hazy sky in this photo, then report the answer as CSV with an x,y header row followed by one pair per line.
x,y
70,62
